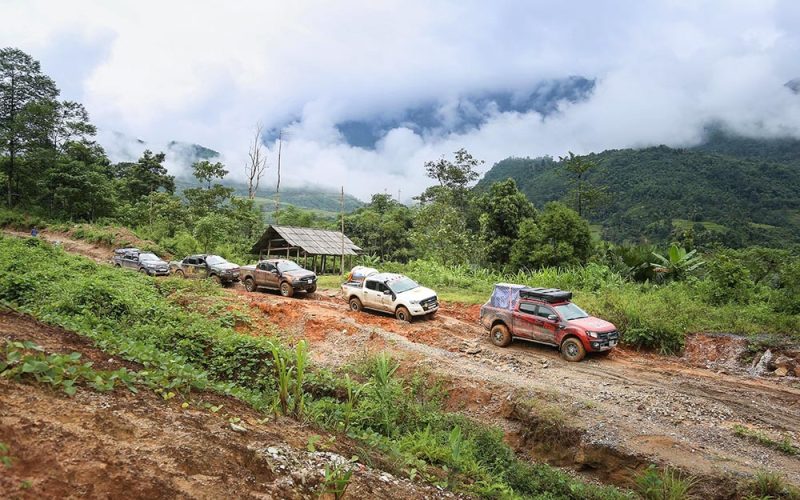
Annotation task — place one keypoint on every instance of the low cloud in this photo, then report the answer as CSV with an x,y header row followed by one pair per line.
x,y
196,73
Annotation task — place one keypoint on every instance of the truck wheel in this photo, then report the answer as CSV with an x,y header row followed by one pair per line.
x,y
355,304
312,289
117,265
286,289
572,350
249,284
402,314
179,274
500,335
216,279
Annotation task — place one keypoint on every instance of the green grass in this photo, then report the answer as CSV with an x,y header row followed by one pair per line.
x,y
783,445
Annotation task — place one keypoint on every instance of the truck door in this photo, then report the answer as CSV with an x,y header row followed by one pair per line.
x,y
525,321
371,296
130,260
201,269
190,267
545,329
267,275
386,302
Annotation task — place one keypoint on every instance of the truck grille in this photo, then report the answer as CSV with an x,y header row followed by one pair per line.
x,y
609,335
430,303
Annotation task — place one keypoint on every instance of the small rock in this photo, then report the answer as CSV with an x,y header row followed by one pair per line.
x,y
782,371
473,350
273,451
238,428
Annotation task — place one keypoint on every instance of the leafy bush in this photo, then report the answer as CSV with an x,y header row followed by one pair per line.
x,y
728,281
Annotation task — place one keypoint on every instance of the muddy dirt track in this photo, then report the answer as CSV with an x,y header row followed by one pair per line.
x,y
627,409
617,414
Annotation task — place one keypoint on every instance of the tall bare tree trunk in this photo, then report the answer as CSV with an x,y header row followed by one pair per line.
x,y
257,163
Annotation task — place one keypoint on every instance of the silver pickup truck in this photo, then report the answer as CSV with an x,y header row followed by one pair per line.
x,y
144,262
366,288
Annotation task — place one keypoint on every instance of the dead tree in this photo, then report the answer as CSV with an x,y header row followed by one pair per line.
x,y
257,163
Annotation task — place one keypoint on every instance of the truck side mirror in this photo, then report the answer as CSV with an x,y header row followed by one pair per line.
x,y
387,292
552,317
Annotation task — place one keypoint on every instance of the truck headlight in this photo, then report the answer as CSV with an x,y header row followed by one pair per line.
x,y
592,334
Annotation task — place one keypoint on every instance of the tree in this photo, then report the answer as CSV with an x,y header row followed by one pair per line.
x,y
586,197
559,237
204,201
440,233
503,208
22,84
71,124
145,176
256,163
453,177
382,228
79,183
210,231
205,171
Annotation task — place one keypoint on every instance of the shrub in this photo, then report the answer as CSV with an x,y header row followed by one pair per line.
x,y
727,281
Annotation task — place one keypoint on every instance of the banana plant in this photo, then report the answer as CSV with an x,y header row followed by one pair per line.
x,y
677,264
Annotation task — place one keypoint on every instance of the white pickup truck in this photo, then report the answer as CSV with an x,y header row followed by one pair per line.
x,y
366,288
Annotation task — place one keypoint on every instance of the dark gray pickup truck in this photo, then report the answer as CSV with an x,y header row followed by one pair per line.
x,y
279,274
144,262
206,266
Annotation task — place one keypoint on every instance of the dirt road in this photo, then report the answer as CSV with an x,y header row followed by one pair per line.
x,y
628,409
608,417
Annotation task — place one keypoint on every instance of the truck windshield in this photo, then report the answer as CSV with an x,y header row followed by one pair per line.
x,y
571,311
215,260
402,285
288,266
147,256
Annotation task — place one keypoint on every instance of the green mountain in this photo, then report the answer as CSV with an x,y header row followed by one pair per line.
x,y
730,190
324,202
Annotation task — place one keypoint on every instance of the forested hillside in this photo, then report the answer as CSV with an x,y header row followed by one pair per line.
x,y
751,195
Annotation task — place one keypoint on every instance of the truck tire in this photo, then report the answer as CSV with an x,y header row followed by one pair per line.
x,y
355,304
286,289
572,350
217,279
249,284
143,270
402,314
500,335
312,288
179,274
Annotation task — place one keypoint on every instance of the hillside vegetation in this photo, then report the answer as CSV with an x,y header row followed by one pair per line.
x,y
734,192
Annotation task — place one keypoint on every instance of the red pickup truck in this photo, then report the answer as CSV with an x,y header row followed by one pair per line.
x,y
546,316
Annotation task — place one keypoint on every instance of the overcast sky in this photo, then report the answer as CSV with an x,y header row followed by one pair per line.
x,y
207,72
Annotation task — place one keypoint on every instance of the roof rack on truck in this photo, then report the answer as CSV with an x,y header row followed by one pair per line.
x,y
546,294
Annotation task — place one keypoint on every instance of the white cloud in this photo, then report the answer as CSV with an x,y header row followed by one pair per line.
x,y
200,72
